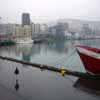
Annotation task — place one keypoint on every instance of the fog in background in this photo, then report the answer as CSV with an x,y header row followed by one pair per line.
x,y
49,10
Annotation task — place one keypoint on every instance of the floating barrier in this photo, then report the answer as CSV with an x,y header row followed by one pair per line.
x,y
62,70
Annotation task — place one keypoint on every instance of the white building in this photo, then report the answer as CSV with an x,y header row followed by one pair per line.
x,y
37,28
18,31
27,31
23,34
33,27
44,28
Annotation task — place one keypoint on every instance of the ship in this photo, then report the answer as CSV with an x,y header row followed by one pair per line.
x,y
90,58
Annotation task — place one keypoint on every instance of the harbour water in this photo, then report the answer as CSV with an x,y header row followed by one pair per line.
x,y
34,84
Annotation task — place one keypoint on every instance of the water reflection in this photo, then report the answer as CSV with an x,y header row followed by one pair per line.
x,y
16,85
58,46
29,50
56,53
88,85
16,72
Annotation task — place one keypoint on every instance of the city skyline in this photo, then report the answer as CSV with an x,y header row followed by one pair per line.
x,y
48,10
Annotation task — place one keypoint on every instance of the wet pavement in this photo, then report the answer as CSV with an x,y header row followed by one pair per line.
x,y
33,84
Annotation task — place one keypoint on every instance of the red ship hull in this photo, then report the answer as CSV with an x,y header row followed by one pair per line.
x,y
90,58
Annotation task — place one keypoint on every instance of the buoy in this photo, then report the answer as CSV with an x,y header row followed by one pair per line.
x,y
63,72
16,71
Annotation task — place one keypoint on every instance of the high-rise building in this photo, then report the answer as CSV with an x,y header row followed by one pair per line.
x,y
25,19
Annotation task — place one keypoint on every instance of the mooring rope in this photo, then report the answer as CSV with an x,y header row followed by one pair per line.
x,y
60,62
62,71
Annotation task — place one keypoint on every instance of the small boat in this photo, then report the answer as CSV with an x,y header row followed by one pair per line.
x,y
5,40
25,41
6,43
90,58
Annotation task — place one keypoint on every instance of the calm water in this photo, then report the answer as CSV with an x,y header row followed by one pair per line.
x,y
32,84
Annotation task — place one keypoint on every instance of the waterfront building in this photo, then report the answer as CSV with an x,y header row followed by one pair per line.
x,y
52,30
60,29
33,27
27,31
25,19
7,30
44,28
86,28
18,31
23,34
2,28
37,28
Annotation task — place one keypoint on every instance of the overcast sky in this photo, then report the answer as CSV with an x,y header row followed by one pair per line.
x,y
47,10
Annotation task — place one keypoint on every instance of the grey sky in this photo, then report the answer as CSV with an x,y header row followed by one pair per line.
x,y
44,10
